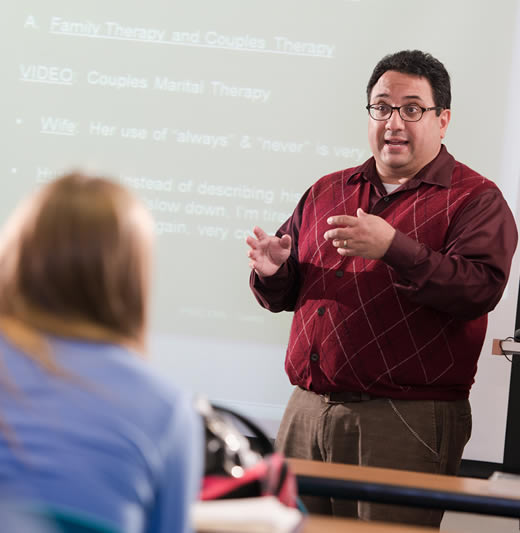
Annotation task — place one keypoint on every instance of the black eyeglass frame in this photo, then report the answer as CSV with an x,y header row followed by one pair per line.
x,y
393,108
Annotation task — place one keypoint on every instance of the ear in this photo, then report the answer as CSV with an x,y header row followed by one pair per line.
x,y
444,120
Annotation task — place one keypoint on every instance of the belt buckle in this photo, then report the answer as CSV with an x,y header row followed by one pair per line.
x,y
328,397
345,397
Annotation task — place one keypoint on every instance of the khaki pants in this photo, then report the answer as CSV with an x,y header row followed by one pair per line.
x,y
425,436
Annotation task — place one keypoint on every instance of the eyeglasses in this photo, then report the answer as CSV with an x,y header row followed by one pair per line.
x,y
408,112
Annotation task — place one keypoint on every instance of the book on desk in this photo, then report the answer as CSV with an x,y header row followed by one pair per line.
x,y
265,514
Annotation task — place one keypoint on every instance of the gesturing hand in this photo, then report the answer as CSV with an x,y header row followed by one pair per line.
x,y
364,235
267,253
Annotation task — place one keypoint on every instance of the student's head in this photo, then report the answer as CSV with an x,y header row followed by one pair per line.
x,y
404,141
75,259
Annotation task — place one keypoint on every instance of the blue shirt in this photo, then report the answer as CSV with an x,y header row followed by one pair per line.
x,y
109,441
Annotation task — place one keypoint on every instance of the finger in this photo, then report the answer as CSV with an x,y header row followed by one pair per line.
x,y
260,233
251,241
336,234
345,251
331,235
254,255
340,243
285,241
341,220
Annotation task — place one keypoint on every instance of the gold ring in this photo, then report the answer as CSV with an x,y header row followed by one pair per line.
x,y
345,243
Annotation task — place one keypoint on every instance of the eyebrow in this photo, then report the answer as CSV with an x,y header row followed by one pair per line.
x,y
409,97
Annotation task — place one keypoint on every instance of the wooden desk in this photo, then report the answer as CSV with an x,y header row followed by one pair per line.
x,y
328,524
403,487
320,524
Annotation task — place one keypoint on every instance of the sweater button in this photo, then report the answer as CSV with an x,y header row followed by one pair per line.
x,y
386,198
321,311
339,273
314,357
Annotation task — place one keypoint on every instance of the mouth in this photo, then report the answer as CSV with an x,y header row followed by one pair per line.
x,y
396,142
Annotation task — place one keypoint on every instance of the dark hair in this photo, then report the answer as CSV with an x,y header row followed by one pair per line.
x,y
416,63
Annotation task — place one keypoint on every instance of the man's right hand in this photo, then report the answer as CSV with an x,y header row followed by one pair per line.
x,y
267,253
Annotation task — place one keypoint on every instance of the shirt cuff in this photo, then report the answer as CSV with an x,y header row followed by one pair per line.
x,y
402,254
277,281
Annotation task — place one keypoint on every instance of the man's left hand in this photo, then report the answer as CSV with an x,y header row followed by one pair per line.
x,y
364,235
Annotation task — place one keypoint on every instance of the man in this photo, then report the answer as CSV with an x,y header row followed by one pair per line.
x,y
390,268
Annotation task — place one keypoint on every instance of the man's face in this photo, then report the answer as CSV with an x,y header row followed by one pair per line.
x,y
402,148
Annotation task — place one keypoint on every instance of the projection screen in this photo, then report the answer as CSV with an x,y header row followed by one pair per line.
x,y
219,115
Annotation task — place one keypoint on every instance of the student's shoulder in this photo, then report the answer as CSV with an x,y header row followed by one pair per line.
x,y
119,368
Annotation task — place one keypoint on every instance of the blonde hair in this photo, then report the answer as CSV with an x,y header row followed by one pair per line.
x,y
75,262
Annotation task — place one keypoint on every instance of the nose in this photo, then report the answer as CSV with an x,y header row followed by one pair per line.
x,y
395,122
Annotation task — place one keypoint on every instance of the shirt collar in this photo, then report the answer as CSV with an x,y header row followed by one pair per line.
x,y
437,172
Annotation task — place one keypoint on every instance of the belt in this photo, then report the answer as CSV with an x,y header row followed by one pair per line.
x,y
345,397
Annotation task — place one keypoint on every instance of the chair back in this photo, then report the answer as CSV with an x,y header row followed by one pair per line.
x,y
60,521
